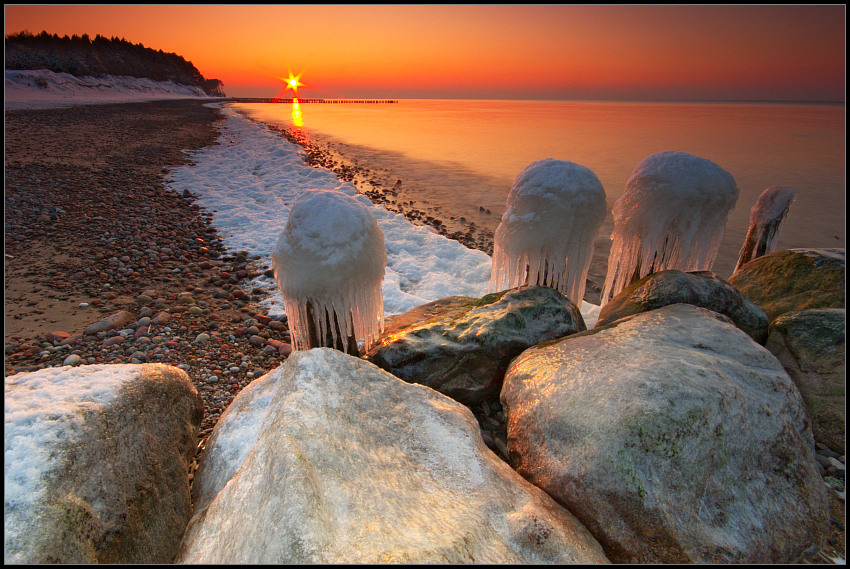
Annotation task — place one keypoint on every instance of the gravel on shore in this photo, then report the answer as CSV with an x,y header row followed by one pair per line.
x,y
91,230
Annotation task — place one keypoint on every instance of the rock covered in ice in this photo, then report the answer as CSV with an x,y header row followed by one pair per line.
x,y
810,344
462,346
671,216
95,463
700,288
766,216
673,436
546,235
329,262
329,459
794,279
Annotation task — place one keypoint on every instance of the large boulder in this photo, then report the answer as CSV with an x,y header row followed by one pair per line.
x,y
810,344
793,279
96,463
673,436
329,459
461,346
700,288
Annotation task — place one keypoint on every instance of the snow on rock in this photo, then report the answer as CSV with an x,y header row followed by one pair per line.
x,y
42,89
329,262
268,173
766,216
546,234
671,216
673,436
329,459
95,463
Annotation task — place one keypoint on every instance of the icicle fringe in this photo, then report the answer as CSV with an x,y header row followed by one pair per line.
x,y
350,309
555,270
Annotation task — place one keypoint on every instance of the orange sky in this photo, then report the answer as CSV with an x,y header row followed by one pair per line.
x,y
479,51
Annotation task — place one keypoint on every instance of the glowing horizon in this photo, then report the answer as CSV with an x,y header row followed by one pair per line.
x,y
567,52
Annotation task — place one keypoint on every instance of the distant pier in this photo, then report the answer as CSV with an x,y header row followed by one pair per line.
x,y
320,101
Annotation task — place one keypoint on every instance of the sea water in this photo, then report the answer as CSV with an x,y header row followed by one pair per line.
x,y
462,155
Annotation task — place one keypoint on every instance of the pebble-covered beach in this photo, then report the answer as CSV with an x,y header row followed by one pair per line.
x,y
91,230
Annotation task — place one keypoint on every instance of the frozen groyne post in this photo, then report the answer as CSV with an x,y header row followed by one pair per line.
x,y
553,213
671,216
329,263
765,217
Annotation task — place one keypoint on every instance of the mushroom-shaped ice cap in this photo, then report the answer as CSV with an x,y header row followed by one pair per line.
x,y
546,234
671,216
331,255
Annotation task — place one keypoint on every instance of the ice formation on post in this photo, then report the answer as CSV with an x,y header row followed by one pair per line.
x,y
671,216
329,262
765,217
554,210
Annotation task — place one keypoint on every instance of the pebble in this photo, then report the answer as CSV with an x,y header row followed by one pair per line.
x,y
72,339
58,336
72,360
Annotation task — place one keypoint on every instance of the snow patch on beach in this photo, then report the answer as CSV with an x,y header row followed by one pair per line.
x,y
249,182
44,89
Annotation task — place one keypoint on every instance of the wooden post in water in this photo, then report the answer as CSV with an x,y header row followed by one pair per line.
x,y
765,217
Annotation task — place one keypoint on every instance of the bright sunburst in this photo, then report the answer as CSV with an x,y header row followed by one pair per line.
x,y
293,82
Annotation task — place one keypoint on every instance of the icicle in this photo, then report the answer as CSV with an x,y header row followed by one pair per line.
x,y
329,262
765,217
671,216
553,213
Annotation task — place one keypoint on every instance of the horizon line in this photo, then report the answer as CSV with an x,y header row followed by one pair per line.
x,y
673,101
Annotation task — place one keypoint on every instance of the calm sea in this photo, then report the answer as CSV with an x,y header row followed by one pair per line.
x,y
463,155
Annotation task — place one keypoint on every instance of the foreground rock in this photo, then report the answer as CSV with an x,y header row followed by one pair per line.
x,y
673,436
96,463
329,459
794,279
810,344
461,346
700,288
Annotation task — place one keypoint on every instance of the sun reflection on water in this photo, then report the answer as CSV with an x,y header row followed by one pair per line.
x,y
297,117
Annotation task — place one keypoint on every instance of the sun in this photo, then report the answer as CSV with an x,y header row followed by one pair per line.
x,y
293,82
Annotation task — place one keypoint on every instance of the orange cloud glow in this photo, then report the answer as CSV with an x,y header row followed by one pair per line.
x,y
480,51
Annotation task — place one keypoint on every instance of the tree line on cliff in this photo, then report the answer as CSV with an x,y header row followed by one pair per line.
x,y
81,56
